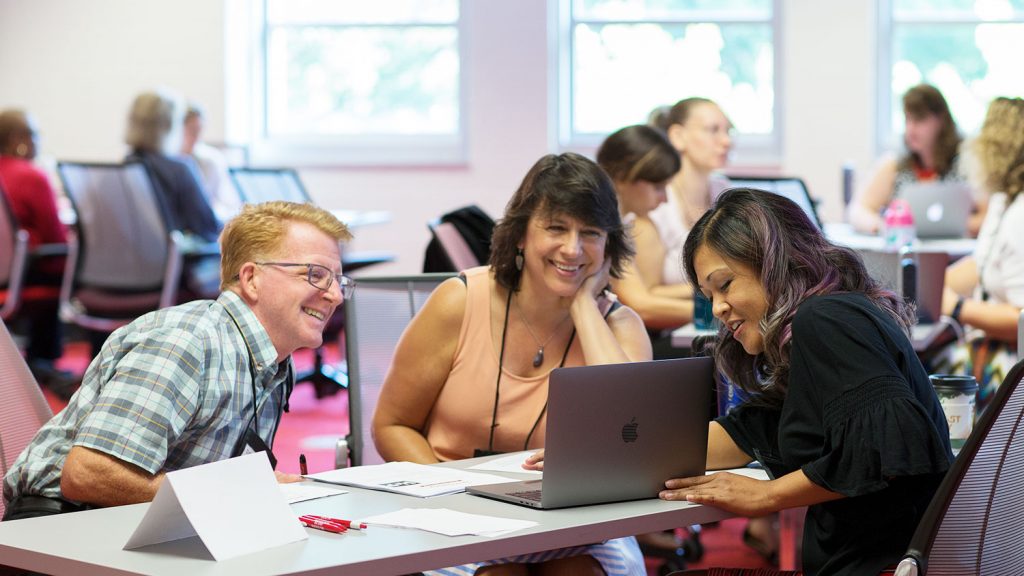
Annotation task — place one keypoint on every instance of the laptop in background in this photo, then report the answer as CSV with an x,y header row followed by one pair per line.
x,y
940,209
792,188
616,432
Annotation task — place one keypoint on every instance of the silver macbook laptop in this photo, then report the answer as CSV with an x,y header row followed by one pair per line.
x,y
616,432
940,209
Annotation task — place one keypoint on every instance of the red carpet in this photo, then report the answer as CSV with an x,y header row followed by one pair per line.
x,y
312,427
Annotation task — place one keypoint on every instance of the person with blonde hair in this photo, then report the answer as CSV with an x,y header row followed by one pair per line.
x,y
702,134
154,131
194,383
212,164
985,291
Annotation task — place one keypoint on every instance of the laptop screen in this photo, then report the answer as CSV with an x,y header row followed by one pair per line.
x,y
792,188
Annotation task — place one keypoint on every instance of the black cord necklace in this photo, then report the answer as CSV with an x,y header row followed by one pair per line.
x,y
497,384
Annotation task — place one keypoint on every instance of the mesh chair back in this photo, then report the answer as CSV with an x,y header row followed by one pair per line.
x,y
256,185
23,410
375,318
455,247
972,526
122,229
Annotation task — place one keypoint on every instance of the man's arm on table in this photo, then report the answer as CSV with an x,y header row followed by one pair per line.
x,y
100,479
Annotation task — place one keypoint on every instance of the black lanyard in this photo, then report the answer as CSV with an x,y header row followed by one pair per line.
x,y
251,437
497,387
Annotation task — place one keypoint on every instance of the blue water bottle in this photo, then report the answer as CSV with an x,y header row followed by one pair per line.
x,y
703,318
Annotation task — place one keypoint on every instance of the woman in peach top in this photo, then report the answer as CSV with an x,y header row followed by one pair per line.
x,y
470,373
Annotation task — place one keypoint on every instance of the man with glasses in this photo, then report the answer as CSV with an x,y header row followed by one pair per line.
x,y
194,383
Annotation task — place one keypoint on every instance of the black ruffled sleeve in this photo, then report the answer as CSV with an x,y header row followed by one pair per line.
x,y
857,388
873,433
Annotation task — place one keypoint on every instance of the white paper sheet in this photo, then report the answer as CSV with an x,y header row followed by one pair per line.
x,y
301,491
755,473
234,506
449,522
508,463
407,478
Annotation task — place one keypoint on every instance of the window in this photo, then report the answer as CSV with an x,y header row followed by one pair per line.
x,y
968,49
354,82
622,58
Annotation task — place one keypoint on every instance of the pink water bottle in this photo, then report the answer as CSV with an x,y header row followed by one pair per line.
x,y
899,225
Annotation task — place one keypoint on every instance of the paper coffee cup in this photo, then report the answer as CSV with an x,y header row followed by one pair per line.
x,y
957,395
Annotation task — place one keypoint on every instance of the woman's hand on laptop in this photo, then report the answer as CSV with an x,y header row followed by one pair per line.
x,y
535,461
734,493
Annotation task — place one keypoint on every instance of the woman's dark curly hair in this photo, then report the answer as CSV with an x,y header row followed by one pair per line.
x,y
565,184
793,261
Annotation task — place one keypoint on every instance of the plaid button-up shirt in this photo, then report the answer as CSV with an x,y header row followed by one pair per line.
x,y
169,391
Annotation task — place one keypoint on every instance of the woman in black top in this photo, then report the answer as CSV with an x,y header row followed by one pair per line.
x,y
843,415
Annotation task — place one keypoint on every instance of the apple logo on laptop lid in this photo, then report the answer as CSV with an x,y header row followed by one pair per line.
x,y
934,212
629,431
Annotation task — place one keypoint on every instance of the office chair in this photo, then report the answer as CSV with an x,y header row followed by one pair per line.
x,y
16,258
972,526
461,239
377,314
454,247
24,409
257,185
123,258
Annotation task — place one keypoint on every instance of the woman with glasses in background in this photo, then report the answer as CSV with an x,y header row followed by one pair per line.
x,y
702,134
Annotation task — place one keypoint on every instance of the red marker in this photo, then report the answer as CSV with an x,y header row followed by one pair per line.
x,y
350,524
323,524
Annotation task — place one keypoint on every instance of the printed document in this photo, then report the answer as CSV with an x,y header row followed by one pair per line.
x,y
407,478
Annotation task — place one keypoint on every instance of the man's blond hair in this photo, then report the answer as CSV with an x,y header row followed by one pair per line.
x,y
256,233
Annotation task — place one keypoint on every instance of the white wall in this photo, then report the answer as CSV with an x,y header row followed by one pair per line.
x,y
76,65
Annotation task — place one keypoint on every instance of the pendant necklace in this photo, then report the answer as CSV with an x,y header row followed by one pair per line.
x,y
538,358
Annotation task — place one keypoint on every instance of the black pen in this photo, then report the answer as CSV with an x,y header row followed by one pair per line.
x,y
302,465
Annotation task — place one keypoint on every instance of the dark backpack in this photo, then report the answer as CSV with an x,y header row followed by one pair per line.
x,y
476,228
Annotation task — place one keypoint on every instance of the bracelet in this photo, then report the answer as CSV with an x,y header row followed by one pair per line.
x,y
955,314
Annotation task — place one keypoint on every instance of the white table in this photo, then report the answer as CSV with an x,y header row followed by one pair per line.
x,y
91,542
843,234
684,336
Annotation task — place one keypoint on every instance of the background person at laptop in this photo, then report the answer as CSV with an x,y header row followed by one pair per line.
x,y
985,291
932,154
470,373
844,416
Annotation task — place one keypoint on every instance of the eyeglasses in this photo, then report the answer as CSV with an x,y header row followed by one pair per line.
x,y
320,277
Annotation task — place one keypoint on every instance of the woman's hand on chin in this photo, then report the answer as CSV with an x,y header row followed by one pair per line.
x,y
595,284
